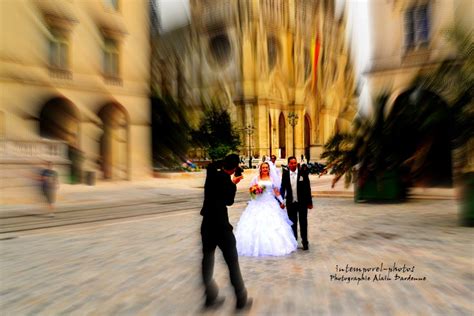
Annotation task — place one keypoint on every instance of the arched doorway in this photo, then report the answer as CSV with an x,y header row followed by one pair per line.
x,y
270,145
282,135
421,127
114,142
59,120
2,125
307,137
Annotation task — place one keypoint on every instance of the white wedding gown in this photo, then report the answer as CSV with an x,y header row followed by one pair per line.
x,y
264,229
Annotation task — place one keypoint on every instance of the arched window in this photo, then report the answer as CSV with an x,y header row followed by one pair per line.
x,y
307,136
273,48
307,64
282,135
270,133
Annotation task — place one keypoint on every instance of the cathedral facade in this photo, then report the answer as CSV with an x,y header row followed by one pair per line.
x,y
280,67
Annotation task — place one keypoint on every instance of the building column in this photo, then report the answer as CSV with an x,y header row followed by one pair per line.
x,y
262,146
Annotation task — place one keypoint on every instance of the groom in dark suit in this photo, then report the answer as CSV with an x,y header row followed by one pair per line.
x,y
216,231
296,187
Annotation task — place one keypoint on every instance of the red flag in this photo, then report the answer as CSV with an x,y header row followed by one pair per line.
x,y
315,48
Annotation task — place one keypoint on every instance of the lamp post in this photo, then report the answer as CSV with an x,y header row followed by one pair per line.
x,y
249,131
293,120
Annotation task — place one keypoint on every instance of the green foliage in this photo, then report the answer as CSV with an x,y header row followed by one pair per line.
x,y
216,133
171,133
365,149
340,156
453,80
405,140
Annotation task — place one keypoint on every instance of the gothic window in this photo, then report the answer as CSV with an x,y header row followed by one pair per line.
x,y
307,136
270,143
307,64
220,49
282,135
417,26
273,50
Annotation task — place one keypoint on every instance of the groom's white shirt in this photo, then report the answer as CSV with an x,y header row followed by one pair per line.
x,y
293,182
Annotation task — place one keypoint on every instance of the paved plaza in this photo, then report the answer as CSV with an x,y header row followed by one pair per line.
x,y
150,265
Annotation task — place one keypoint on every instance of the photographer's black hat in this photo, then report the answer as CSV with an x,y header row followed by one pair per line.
x,y
231,161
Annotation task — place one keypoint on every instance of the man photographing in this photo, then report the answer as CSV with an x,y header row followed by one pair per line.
x,y
216,231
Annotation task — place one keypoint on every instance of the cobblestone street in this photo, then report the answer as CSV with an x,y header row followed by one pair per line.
x,y
122,120
151,265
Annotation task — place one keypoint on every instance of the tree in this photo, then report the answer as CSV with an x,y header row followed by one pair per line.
x,y
454,80
340,157
364,149
403,144
171,133
216,133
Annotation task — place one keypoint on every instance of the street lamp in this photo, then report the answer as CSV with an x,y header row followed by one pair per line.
x,y
249,131
293,120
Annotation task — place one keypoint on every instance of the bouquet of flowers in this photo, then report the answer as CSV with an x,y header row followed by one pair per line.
x,y
256,190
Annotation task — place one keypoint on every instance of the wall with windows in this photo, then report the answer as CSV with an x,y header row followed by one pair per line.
x,y
407,39
401,28
85,55
404,37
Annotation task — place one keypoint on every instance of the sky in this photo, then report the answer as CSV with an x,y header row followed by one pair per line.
x,y
173,14
359,37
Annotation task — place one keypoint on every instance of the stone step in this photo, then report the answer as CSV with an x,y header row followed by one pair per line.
x,y
21,195
347,194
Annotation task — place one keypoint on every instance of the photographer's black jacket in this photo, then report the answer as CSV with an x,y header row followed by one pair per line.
x,y
219,192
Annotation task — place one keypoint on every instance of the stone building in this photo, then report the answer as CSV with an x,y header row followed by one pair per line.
x,y
257,59
74,77
407,39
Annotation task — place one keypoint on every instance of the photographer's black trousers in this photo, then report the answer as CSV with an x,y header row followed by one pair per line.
x,y
214,235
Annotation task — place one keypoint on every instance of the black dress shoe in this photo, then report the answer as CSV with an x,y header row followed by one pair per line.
x,y
218,301
305,247
244,305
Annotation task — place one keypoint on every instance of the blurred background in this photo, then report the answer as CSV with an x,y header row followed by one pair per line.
x,y
129,100
110,90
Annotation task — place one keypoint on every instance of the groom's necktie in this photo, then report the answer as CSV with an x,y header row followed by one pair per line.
x,y
293,180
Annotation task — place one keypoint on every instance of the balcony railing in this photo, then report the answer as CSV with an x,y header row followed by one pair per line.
x,y
42,150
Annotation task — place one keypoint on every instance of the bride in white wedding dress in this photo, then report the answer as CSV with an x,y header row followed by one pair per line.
x,y
264,228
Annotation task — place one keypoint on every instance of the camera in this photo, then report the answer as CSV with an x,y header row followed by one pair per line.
x,y
238,171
